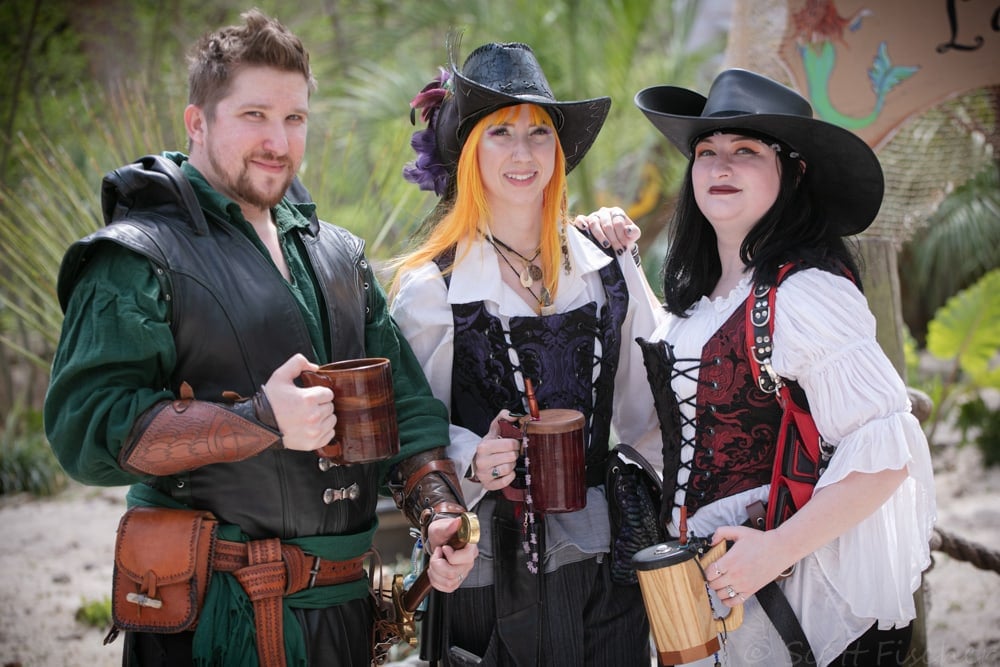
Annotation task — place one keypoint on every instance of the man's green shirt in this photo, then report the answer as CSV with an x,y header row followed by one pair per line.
x,y
116,353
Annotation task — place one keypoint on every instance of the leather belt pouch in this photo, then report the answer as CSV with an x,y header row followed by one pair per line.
x,y
162,567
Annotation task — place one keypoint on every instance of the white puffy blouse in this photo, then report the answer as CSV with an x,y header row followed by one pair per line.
x,y
422,308
824,338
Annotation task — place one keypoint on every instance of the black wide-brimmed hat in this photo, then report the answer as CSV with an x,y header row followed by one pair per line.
x,y
494,76
846,177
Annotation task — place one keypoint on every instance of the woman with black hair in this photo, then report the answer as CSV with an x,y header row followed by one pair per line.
x,y
767,199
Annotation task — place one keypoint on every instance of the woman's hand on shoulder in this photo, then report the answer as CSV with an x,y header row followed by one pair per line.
x,y
611,228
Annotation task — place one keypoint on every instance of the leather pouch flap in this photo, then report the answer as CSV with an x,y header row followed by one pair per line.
x,y
162,567
159,541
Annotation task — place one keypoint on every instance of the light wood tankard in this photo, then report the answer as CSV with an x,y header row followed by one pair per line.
x,y
680,609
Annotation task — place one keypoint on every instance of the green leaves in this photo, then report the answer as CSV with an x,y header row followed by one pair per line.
x,y
967,329
961,240
84,114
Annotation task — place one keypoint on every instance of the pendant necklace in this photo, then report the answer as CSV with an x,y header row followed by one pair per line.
x,y
545,300
531,271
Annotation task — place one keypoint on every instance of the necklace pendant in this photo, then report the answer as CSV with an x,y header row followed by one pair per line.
x,y
534,271
546,307
526,279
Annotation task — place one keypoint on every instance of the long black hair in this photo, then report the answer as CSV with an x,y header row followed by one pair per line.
x,y
795,228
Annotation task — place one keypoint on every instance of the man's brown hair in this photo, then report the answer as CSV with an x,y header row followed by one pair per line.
x,y
260,41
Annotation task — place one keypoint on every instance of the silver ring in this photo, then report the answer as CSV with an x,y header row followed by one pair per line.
x,y
731,591
495,472
718,572
618,215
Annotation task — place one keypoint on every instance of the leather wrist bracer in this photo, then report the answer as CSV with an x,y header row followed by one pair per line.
x,y
425,487
183,434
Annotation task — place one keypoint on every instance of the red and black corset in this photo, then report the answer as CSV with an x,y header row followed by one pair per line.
x,y
735,425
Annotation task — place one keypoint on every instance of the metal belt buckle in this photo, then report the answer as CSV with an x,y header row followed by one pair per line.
x,y
313,572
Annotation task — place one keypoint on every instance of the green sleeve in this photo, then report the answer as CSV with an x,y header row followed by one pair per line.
x,y
423,419
113,362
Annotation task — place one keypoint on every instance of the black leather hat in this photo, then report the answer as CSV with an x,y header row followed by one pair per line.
x,y
846,176
501,75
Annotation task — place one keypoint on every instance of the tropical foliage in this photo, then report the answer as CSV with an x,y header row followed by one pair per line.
x,y
966,334
88,88
958,245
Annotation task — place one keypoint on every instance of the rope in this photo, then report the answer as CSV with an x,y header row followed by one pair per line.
x,y
964,550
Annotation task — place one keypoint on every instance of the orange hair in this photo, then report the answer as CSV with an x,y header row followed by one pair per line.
x,y
470,213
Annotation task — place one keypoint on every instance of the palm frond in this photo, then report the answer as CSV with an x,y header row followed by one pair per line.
x,y
962,240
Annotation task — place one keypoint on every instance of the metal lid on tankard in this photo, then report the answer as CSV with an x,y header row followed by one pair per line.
x,y
660,555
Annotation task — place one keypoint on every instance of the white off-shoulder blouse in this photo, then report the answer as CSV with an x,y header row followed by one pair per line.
x,y
824,338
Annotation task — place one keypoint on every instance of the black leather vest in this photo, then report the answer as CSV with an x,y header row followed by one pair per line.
x,y
235,321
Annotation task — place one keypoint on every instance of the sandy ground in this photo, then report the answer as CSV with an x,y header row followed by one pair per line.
x,y
56,553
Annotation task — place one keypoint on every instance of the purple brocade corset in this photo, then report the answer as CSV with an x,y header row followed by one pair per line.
x,y
571,359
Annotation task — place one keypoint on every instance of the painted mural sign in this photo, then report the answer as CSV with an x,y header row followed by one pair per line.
x,y
869,65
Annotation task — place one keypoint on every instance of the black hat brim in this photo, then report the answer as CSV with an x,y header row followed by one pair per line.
x,y
846,176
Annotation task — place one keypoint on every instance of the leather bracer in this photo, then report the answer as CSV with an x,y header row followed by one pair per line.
x,y
183,434
426,487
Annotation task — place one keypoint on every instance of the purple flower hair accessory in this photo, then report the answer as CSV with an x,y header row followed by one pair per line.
x,y
426,171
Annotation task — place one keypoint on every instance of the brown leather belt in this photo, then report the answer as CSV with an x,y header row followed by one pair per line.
x,y
268,571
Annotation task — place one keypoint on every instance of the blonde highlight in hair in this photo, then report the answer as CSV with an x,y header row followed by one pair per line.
x,y
470,213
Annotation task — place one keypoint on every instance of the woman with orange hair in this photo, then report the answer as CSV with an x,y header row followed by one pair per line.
x,y
504,293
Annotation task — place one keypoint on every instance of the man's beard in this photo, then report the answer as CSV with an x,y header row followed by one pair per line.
x,y
242,188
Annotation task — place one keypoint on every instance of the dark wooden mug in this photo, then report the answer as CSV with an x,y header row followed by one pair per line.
x,y
365,406
557,465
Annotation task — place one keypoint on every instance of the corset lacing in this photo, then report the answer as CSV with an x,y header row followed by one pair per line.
x,y
596,359
529,528
689,369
